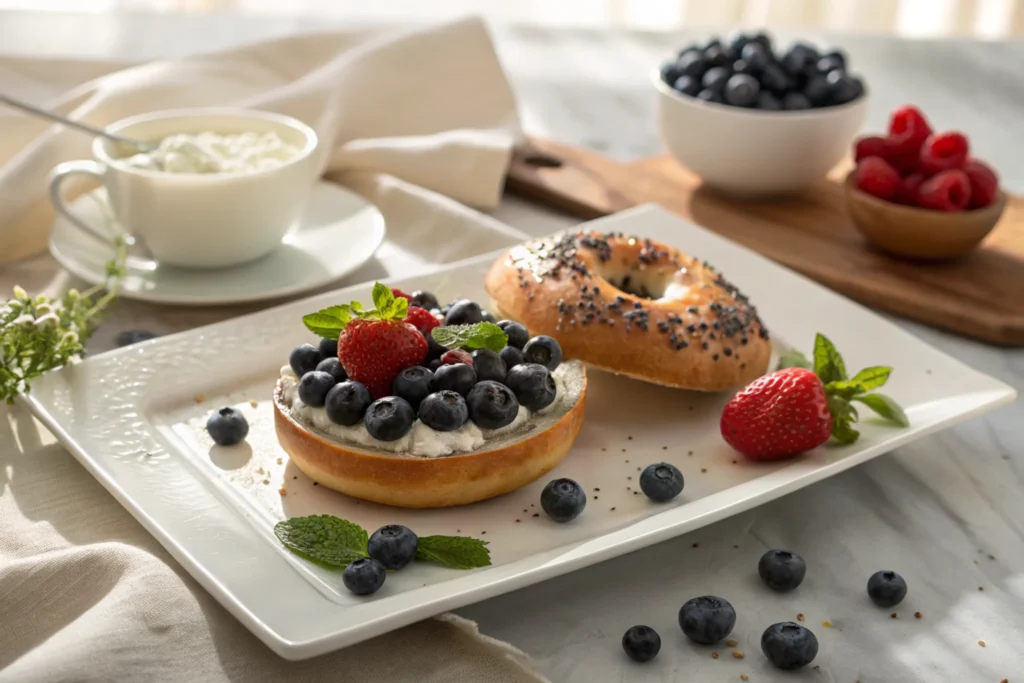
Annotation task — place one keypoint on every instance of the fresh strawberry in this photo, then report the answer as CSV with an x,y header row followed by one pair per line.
x,y
397,293
422,319
795,408
456,356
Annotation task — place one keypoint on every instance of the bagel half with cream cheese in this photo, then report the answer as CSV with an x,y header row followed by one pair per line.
x,y
633,307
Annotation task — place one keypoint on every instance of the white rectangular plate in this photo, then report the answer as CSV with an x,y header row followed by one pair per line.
x,y
134,418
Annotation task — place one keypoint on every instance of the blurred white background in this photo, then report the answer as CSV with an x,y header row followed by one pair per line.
x,y
912,18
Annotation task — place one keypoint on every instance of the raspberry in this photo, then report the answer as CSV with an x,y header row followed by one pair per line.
x,y
456,356
876,177
946,191
984,183
909,191
397,293
422,319
943,152
908,129
870,146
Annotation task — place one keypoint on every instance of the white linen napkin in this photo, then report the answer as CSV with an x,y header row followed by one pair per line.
x,y
421,124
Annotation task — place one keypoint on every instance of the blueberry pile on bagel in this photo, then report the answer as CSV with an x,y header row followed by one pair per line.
x,y
634,307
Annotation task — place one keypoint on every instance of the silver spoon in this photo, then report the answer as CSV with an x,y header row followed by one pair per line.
x,y
84,127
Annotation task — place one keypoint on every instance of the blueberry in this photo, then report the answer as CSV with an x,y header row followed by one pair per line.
x,y
707,619
532,384
742,90
389,418
692,64
434,349
488,365
788,645
794,101
512,357
737,41
329,348
424,300
227,427
709,96
413,384
641,643
768,102
394,546
712,42
304,359
843,87
492,405
817,91
457,377
690,49
464,312
543,350
434,365
364,576
563,500
347,402
661,482
755,56
887,589
833,60
717,55
516,332
782,570
741,67
487,317
334,368
798,58
773,78
670,72
764,40
313,387
715,79
444,411
129,337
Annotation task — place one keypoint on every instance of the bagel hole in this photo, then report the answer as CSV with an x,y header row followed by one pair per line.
x,y
635,284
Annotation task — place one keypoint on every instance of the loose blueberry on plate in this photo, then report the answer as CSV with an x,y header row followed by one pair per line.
x,y
887,589
347,402
394,546
304,359
543,350
742,90
488,365
389,418
512,357
532,384
794,101
641,643
492,405
444,411
788,645
782,570
413,384
129,337
687,85
709,96
707,619
364,576
464,312
227,427
516,333
661,482
459,378
329,348
563,500
424,300
313,387
334,368
715,79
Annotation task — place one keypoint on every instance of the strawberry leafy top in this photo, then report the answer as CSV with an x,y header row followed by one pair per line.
x,y
329,322
842,390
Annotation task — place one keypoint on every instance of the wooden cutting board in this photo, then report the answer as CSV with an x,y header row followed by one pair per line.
x,y
980,295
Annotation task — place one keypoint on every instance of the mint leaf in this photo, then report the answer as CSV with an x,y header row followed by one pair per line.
x,y
323,539
886,407
329,322
828,364
479,336
872,378
457,552
793,359
383,297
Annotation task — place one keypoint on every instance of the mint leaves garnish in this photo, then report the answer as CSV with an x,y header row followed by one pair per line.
x,y
329,322
333,542
841,389
479,336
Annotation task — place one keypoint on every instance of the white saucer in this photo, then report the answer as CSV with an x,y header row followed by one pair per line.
x,y
338,232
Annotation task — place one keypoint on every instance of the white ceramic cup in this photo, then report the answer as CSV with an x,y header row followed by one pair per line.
x,y
199,220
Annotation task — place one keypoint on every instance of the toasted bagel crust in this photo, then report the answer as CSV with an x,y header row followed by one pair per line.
x,y
700,332
411,482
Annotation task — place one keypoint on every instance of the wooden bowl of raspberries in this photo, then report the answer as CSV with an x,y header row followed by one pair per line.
x,y
919,194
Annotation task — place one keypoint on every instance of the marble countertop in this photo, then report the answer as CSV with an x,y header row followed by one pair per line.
x,y
947,512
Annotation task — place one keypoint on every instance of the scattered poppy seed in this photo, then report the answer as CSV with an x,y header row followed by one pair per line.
x,y
664,448
613,509
703,470
981,588
696,545
991,557
629,478
629,438
892,616
482,533
266,481
536,514
517,521
295,477
918,615
316,483
596,489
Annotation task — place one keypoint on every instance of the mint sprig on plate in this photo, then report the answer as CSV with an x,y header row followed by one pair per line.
x,y
333,542
842,390
479,336
329,322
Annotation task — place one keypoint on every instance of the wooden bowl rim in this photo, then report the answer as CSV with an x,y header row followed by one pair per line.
x,y
948,217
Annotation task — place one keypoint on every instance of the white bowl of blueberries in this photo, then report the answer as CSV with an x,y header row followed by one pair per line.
x,y
751,121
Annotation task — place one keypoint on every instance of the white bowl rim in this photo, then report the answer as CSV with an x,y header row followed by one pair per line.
x,y
309,135
740,112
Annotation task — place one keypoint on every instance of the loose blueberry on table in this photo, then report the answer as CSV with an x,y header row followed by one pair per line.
x,y
661,482
641,643
746,72
782,570
887,588
227,427
788,645
707,619
563,500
